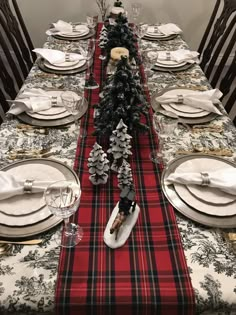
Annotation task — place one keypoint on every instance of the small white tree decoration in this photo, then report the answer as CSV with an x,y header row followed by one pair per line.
x,y
119,145
98,165
124,176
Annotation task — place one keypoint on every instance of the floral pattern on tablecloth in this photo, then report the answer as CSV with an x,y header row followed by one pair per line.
x,y
28,273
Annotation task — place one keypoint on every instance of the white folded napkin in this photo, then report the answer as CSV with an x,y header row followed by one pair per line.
x,y
179,55
204,100
34,100
56,57
223,179
67,28
11,186
166,29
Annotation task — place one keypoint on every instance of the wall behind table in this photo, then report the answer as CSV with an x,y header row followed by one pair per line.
x,y
191,15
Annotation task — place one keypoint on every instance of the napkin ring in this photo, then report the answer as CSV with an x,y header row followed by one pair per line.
x,y
205,179
28,185
73,28
180,98
54,100
67,57
168,56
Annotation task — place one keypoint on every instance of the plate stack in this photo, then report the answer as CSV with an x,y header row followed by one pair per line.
x,y
186,113
206,205
154,34
67,67
26,215
54,116
79,32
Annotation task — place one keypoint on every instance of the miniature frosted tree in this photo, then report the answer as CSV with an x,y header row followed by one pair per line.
x,y
98,165
124,176
119,145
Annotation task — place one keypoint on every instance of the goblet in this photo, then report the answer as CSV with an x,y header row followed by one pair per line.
x,y
90,82
63,199
74,103
136,10
92,20
164,127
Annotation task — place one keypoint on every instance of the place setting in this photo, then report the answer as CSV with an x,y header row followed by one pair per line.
x,y
60,62
162,32
191,106
46,108
174,61
23,209
70,31
203,188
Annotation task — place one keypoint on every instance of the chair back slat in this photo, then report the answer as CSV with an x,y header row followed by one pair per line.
x,y
218,47
16,58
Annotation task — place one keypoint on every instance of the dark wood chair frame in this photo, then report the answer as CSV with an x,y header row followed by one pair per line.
x,y
221,29
16,57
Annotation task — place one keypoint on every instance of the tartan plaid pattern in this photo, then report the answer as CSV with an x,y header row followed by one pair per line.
x,y
148,275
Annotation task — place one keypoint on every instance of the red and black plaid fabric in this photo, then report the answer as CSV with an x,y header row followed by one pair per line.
x,y
148,275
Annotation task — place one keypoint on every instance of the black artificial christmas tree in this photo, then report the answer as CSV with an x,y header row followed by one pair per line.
x,y
122,99
121,34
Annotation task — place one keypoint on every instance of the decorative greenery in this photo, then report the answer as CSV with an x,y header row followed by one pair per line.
x,y
122,99
118,3
103,7
121,35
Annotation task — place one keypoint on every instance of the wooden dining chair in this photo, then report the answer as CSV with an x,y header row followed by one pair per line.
x,y
16,56
217,50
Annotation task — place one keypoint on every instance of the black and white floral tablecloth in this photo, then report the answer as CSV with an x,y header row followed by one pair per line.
x,y
28,273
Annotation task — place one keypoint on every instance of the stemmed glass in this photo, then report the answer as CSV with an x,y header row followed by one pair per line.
x,y
74,103
63,199
92,20
141,30
148,59
90,82
164,127
136,10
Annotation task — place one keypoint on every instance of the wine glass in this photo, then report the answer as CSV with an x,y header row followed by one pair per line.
x,y
74,103
92,19
136,10
148,59
90,82
164,126
141,30
63,199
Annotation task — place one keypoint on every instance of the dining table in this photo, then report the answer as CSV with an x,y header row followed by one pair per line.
x,y
172,262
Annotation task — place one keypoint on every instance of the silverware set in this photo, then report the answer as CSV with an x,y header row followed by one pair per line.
x,y
6,246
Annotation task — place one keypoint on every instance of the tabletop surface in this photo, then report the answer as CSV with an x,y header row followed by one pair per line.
x,y
31,272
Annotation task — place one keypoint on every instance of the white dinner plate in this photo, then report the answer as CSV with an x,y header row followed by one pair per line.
x,y
55,112
186,209
28,209
191,114
170,63
207,194
182,114
68,65
185,108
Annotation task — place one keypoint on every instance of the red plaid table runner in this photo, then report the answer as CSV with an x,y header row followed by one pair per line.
x,y
148,275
